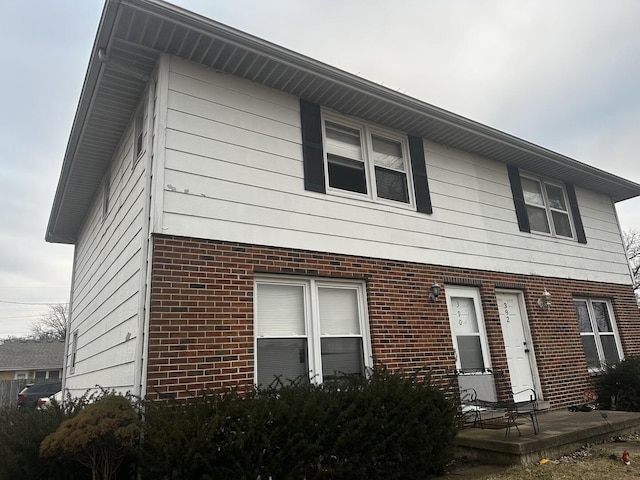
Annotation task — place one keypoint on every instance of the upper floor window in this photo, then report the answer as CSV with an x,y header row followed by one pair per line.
x,y
361,161
600,339
349,157
106,193
547,207
139,132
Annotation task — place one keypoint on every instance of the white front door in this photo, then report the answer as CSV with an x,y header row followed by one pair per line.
x,y
518,351
467,329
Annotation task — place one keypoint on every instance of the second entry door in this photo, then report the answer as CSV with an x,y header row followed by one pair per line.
x,y
517,348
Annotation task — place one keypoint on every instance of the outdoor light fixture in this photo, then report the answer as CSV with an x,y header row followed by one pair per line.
x,y
544,302
435,292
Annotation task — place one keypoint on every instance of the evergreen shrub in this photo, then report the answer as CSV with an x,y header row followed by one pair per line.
x,y
619,385
387,426
21,432
100,437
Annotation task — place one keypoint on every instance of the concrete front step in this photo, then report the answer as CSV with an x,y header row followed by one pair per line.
x,y
561,432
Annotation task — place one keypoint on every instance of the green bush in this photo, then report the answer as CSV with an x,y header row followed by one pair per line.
x,y
619,385
21,432
386,426
99,437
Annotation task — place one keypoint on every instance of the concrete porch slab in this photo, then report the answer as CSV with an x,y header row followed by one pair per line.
x,y
561,432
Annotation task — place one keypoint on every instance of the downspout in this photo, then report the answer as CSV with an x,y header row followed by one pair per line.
x,y
155,181
624,250
121,67
67,334
145,255
143,311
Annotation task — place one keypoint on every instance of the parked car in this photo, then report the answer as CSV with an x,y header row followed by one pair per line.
x,y
32,393
45,402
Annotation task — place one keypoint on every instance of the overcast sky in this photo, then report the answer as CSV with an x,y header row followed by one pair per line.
x,y
561,74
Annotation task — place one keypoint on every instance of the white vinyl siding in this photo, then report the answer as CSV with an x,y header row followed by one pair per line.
x,y
105,291
234,172
309,330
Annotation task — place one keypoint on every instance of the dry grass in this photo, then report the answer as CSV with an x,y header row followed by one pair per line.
x,y
592,468
595,462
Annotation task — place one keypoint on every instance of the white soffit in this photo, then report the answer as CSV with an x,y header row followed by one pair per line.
x,y
133,33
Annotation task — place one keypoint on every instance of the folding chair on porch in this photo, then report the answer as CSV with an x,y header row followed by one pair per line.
x,y
478,392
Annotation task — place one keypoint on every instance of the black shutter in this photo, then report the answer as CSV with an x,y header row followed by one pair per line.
x,y
312,154
420,180
575,213
518,198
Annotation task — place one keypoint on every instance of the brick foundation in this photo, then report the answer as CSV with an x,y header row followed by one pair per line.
x,y
201,320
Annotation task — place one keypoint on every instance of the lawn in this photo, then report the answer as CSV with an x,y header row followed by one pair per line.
x,y
593,462
597,467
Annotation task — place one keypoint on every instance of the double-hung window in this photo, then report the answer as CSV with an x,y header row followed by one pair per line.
x,y
600,339
547,207
348,157
365,161
309,330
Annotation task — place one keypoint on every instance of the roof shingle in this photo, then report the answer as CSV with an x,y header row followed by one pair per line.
x,y
31,354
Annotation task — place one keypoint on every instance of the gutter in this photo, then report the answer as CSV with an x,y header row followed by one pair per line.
x,y
61,228
144,288
110,16
211,28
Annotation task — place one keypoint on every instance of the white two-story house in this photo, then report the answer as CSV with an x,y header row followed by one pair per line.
x,y
240,211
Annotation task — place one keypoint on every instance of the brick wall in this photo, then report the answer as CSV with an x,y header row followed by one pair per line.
x,y
201,319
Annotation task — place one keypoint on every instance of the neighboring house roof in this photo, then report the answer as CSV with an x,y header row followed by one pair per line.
x,y
133,34
31,355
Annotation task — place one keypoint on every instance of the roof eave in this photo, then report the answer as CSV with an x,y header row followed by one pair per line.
x,y
103,37
508,149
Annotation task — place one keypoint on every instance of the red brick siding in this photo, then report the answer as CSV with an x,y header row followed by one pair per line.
x,y
201,320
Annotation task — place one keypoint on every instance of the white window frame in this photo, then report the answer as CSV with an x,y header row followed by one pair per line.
x,y
474,294
106,194
547,206
139,144
74,352
47,374
596,334
310,288
366,132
